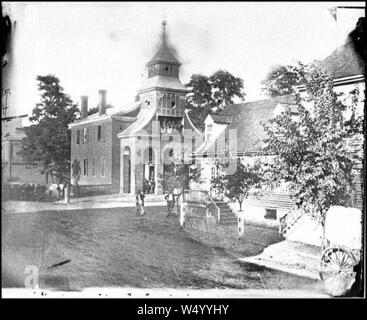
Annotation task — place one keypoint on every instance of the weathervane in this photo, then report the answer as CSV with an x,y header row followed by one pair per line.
x,y
164,22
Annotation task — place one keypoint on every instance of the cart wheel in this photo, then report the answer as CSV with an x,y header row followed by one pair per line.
x,y
334,261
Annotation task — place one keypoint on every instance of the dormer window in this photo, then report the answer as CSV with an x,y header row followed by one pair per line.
x,y
208,131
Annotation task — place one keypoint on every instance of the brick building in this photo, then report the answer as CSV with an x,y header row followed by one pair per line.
x,y
119,149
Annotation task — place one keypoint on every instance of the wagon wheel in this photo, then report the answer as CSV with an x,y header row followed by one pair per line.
x,y
334,261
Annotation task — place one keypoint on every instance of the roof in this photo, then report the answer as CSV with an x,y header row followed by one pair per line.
x,y
144,116
132,113
130,110
164,54
247,119
12,130
343,62
163,82
221,118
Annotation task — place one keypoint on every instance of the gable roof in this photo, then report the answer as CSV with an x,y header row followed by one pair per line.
x,y
247,119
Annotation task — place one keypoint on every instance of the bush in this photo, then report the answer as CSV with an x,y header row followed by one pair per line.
x,y
25,192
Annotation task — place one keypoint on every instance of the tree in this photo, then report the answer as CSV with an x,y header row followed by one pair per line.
x,y
312,157
237,186
210,94
281,80
224,88
48,138
92,111
178,172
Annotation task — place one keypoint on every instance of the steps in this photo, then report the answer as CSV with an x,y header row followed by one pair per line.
x,y
227,217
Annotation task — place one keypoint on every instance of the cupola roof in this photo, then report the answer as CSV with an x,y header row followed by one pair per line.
x,y
164,54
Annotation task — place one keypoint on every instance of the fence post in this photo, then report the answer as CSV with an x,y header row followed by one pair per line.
x,y
67,193
182,214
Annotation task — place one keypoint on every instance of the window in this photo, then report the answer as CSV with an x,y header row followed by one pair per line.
x,y
31,165
214,171
85,135
78,137
11,152
270,214
208,131
99,133
93,167
103,167
85,167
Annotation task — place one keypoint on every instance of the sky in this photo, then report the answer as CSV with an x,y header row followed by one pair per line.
x,y
92,46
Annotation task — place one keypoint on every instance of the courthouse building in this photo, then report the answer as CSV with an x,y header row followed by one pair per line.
x,y
121,149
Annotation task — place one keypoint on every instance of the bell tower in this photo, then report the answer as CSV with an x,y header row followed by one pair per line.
x,y
164,63
163,88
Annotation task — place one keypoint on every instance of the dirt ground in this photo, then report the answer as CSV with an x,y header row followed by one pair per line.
x,y
76,249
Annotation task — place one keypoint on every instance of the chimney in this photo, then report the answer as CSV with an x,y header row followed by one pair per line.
x,y
84,106
102,102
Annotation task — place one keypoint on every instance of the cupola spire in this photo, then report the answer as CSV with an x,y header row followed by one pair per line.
x,y
164,54
164,22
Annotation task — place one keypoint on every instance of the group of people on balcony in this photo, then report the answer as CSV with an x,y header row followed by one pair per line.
x,y
167,126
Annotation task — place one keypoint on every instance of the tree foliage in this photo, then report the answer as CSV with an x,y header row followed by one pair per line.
x,y
178,173
48,138
312,154
281,80
92,111
237,186
210,94
95,109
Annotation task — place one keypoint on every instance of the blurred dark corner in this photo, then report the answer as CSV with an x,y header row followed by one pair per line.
x,y
358,38
5,36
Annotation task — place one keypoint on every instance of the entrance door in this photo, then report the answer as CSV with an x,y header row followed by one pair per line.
x,y
127,173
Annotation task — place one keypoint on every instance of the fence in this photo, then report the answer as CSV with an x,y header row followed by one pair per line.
x,y
25,192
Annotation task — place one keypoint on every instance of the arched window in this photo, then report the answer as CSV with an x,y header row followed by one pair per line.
x,y
127,151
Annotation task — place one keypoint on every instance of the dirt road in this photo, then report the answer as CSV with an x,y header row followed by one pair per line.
x,y
114,248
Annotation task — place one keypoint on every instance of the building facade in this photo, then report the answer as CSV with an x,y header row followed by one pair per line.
x,y
14,169
95,146
158,135
122,150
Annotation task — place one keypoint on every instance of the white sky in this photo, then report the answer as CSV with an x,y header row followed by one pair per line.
x,y
92,46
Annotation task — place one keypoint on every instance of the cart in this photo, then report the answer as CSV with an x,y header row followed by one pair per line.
x,y
343,232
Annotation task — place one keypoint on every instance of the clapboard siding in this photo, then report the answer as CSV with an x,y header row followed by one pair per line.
x,y
271,200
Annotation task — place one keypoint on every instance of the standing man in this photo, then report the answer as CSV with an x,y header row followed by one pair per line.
x,y
140,203
152,185
170,202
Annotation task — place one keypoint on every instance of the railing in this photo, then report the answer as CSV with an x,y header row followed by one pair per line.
x,y
202,197
197,196
211,203
288,220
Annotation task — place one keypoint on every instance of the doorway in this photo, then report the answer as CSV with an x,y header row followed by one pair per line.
x,y
126,171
